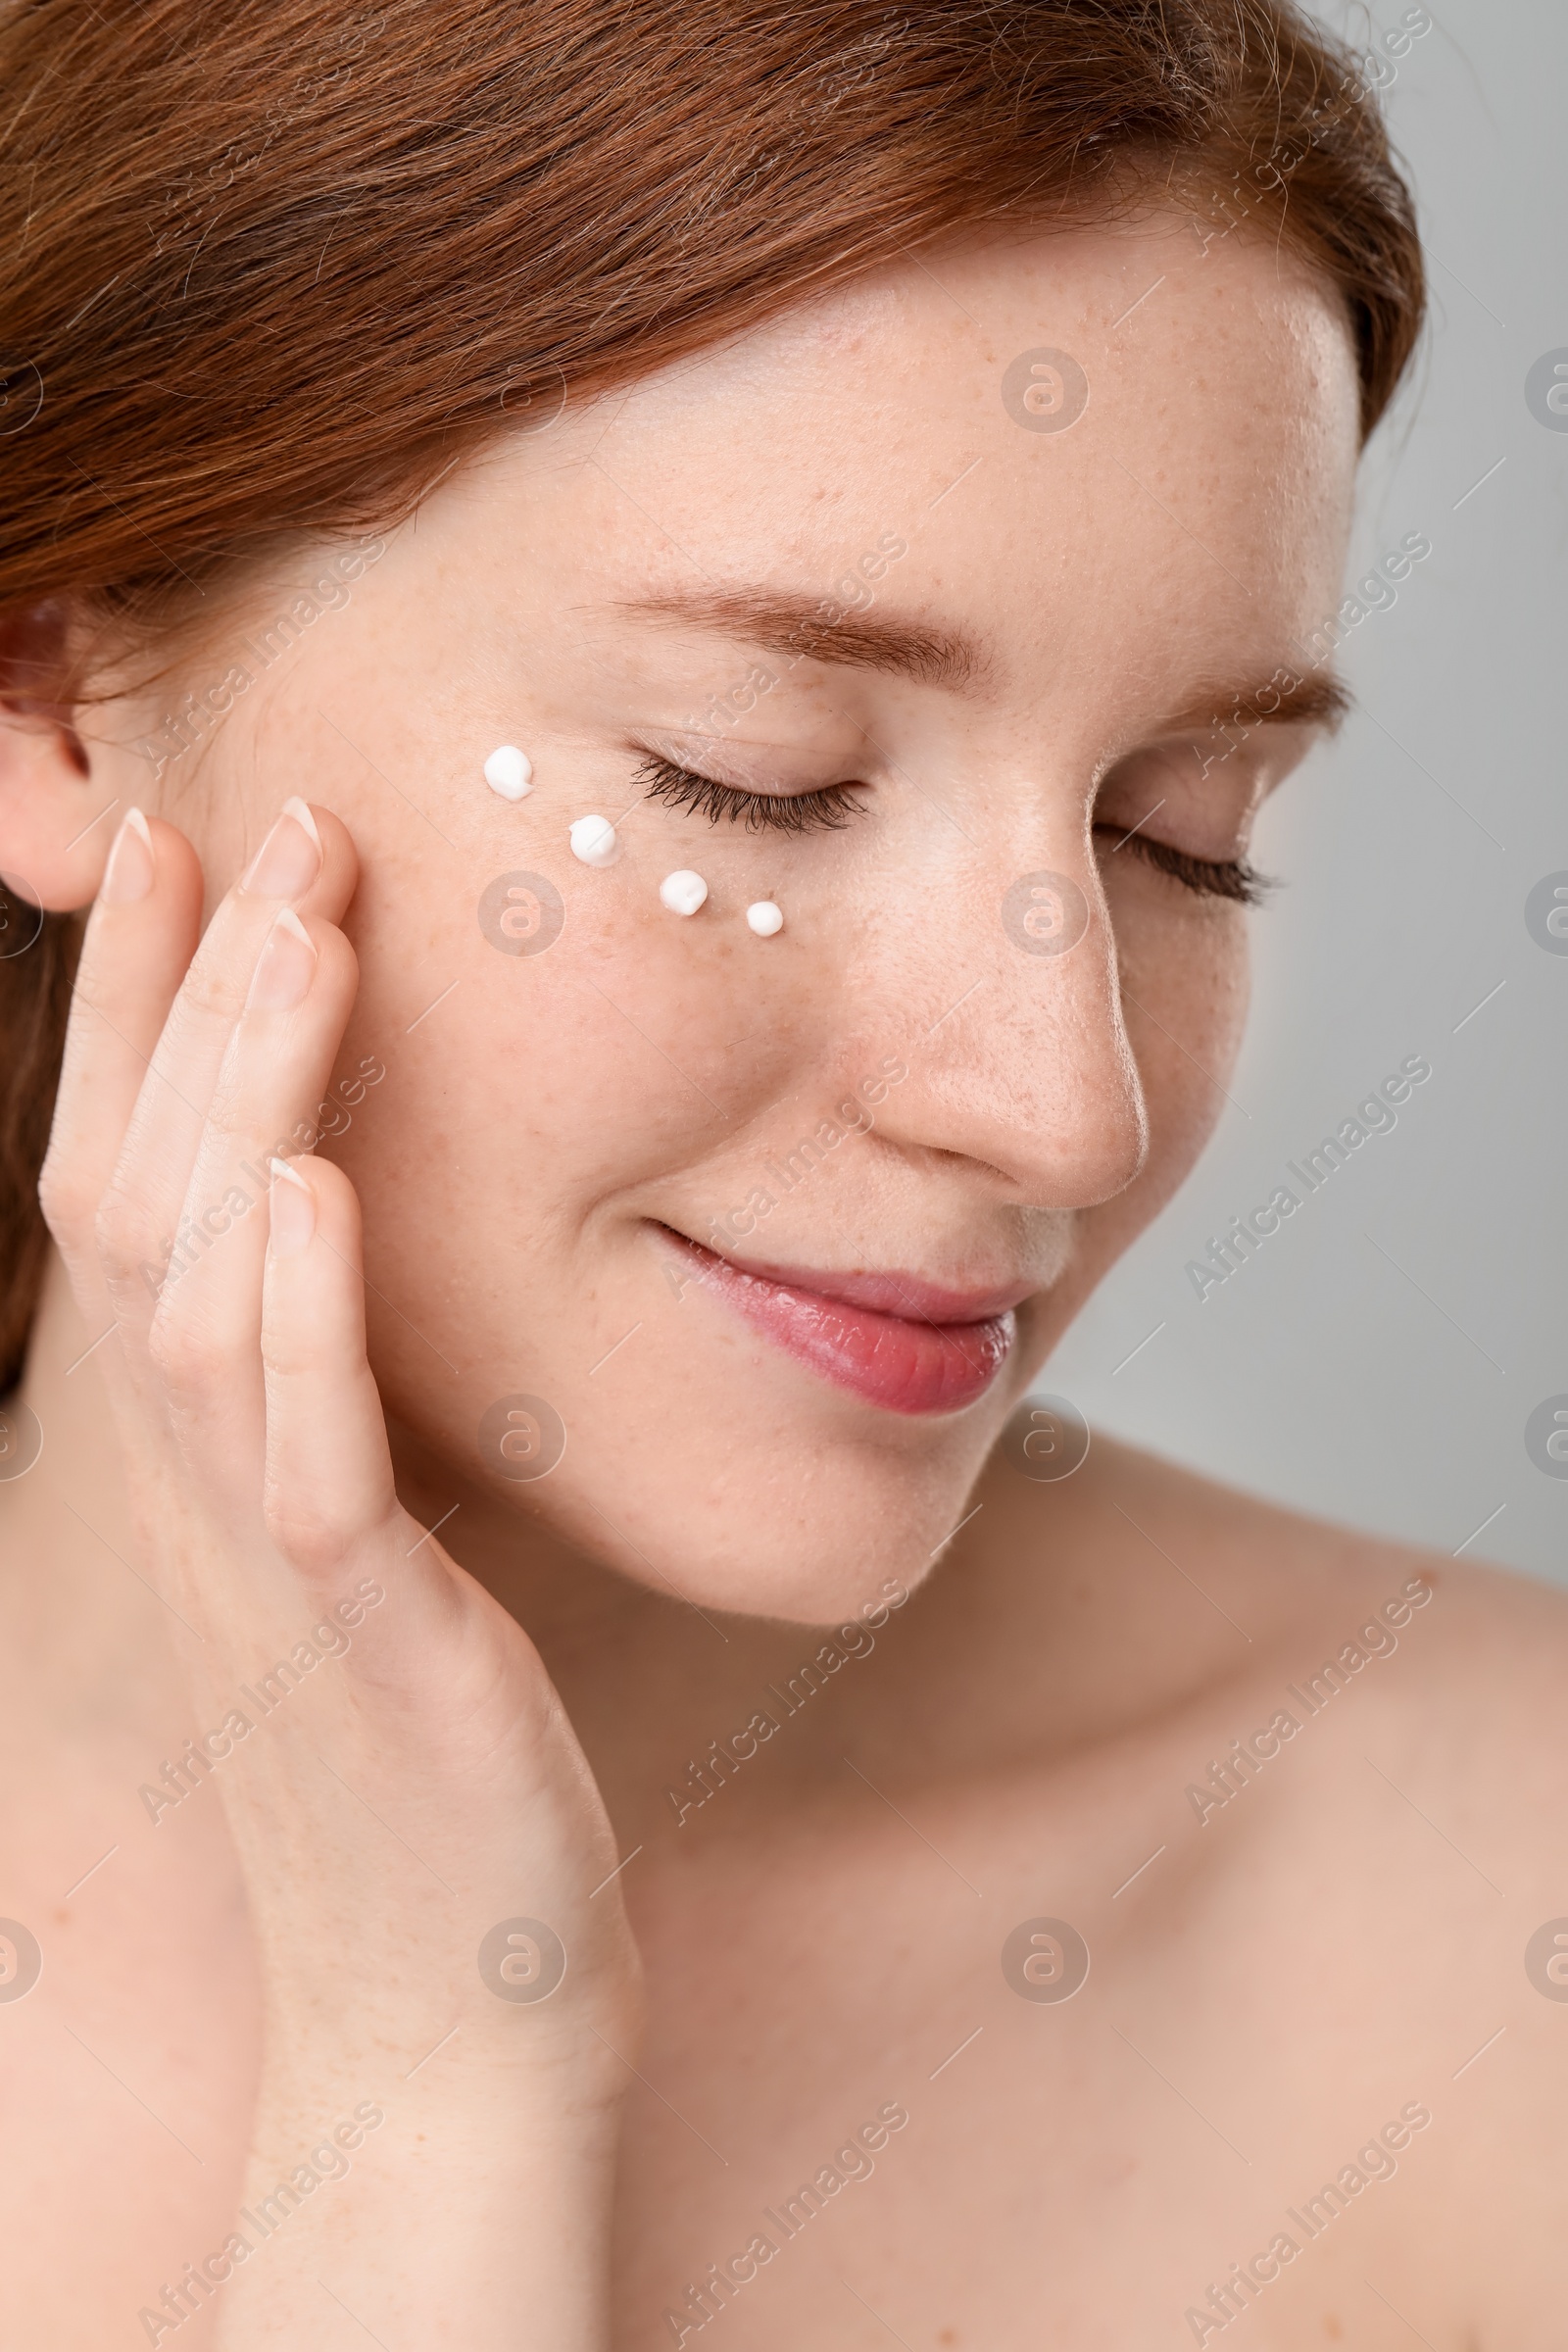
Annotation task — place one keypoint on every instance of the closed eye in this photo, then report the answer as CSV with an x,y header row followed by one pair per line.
x,y
1210,877
825,811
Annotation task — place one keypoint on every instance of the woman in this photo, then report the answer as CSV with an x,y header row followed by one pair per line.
x,y
654,636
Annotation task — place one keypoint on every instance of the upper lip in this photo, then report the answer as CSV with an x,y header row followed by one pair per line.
x,y
887,1293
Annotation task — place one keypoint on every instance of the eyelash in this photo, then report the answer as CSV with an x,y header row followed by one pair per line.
x,y
1230,878
831,806
825,811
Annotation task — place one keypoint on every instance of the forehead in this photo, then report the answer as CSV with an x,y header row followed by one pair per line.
x,y
1183,338
1130,441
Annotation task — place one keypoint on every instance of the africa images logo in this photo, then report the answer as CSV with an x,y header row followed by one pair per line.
x,y
1228,1253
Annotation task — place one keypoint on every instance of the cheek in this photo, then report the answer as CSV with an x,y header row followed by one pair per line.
x,y
545,1089
1183,982
542,1083
1184,972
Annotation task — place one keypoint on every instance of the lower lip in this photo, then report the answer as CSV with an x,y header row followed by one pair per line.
x,y
905,1364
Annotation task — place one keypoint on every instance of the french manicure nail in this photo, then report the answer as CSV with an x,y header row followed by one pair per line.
x,y
284,968
288,859
300,810
128,874
292,1209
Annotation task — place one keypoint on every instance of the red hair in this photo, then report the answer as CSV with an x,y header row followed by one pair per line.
x,y
285,263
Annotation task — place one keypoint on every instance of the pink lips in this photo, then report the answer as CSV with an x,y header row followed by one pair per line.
x,y
905,1344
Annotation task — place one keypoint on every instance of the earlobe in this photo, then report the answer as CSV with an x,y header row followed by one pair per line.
x,y
54,799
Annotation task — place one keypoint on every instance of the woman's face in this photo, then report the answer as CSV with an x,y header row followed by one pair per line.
x,y
879,550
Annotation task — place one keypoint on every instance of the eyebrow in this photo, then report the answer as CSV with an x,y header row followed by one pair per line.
x,y
1314,701
799,626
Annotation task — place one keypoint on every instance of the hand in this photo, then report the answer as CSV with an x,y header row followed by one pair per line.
x,y
421,1785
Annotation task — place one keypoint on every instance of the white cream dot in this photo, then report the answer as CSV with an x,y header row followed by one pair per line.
x,y
684,892
595,841
765,918
509,773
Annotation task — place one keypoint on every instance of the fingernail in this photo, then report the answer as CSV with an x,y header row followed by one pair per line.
x,y
284,968
288,859
128,873
291,1207
300,810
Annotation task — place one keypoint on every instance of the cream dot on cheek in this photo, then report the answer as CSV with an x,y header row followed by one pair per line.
x,y
765,918
595,841
683,892
509,773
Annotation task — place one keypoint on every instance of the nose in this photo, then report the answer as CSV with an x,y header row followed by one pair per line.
x,y
1017,1051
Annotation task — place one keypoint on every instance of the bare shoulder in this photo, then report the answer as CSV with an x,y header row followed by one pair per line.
x,y
1224,1588
1346,1761
1471,1658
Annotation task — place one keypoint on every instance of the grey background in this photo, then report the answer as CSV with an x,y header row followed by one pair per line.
x,y
1377,1358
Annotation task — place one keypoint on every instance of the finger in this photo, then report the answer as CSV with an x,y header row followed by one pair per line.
x,y
328,1487
140,938
204,1335
307,859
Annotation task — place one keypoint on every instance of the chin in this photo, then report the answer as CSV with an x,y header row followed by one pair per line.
x,y
755,1509
809,1539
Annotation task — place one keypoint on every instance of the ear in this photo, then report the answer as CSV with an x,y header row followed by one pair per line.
x,y
56,791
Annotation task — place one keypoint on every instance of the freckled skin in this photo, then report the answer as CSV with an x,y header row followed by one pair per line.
x,y
1052,1111
1041,1689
